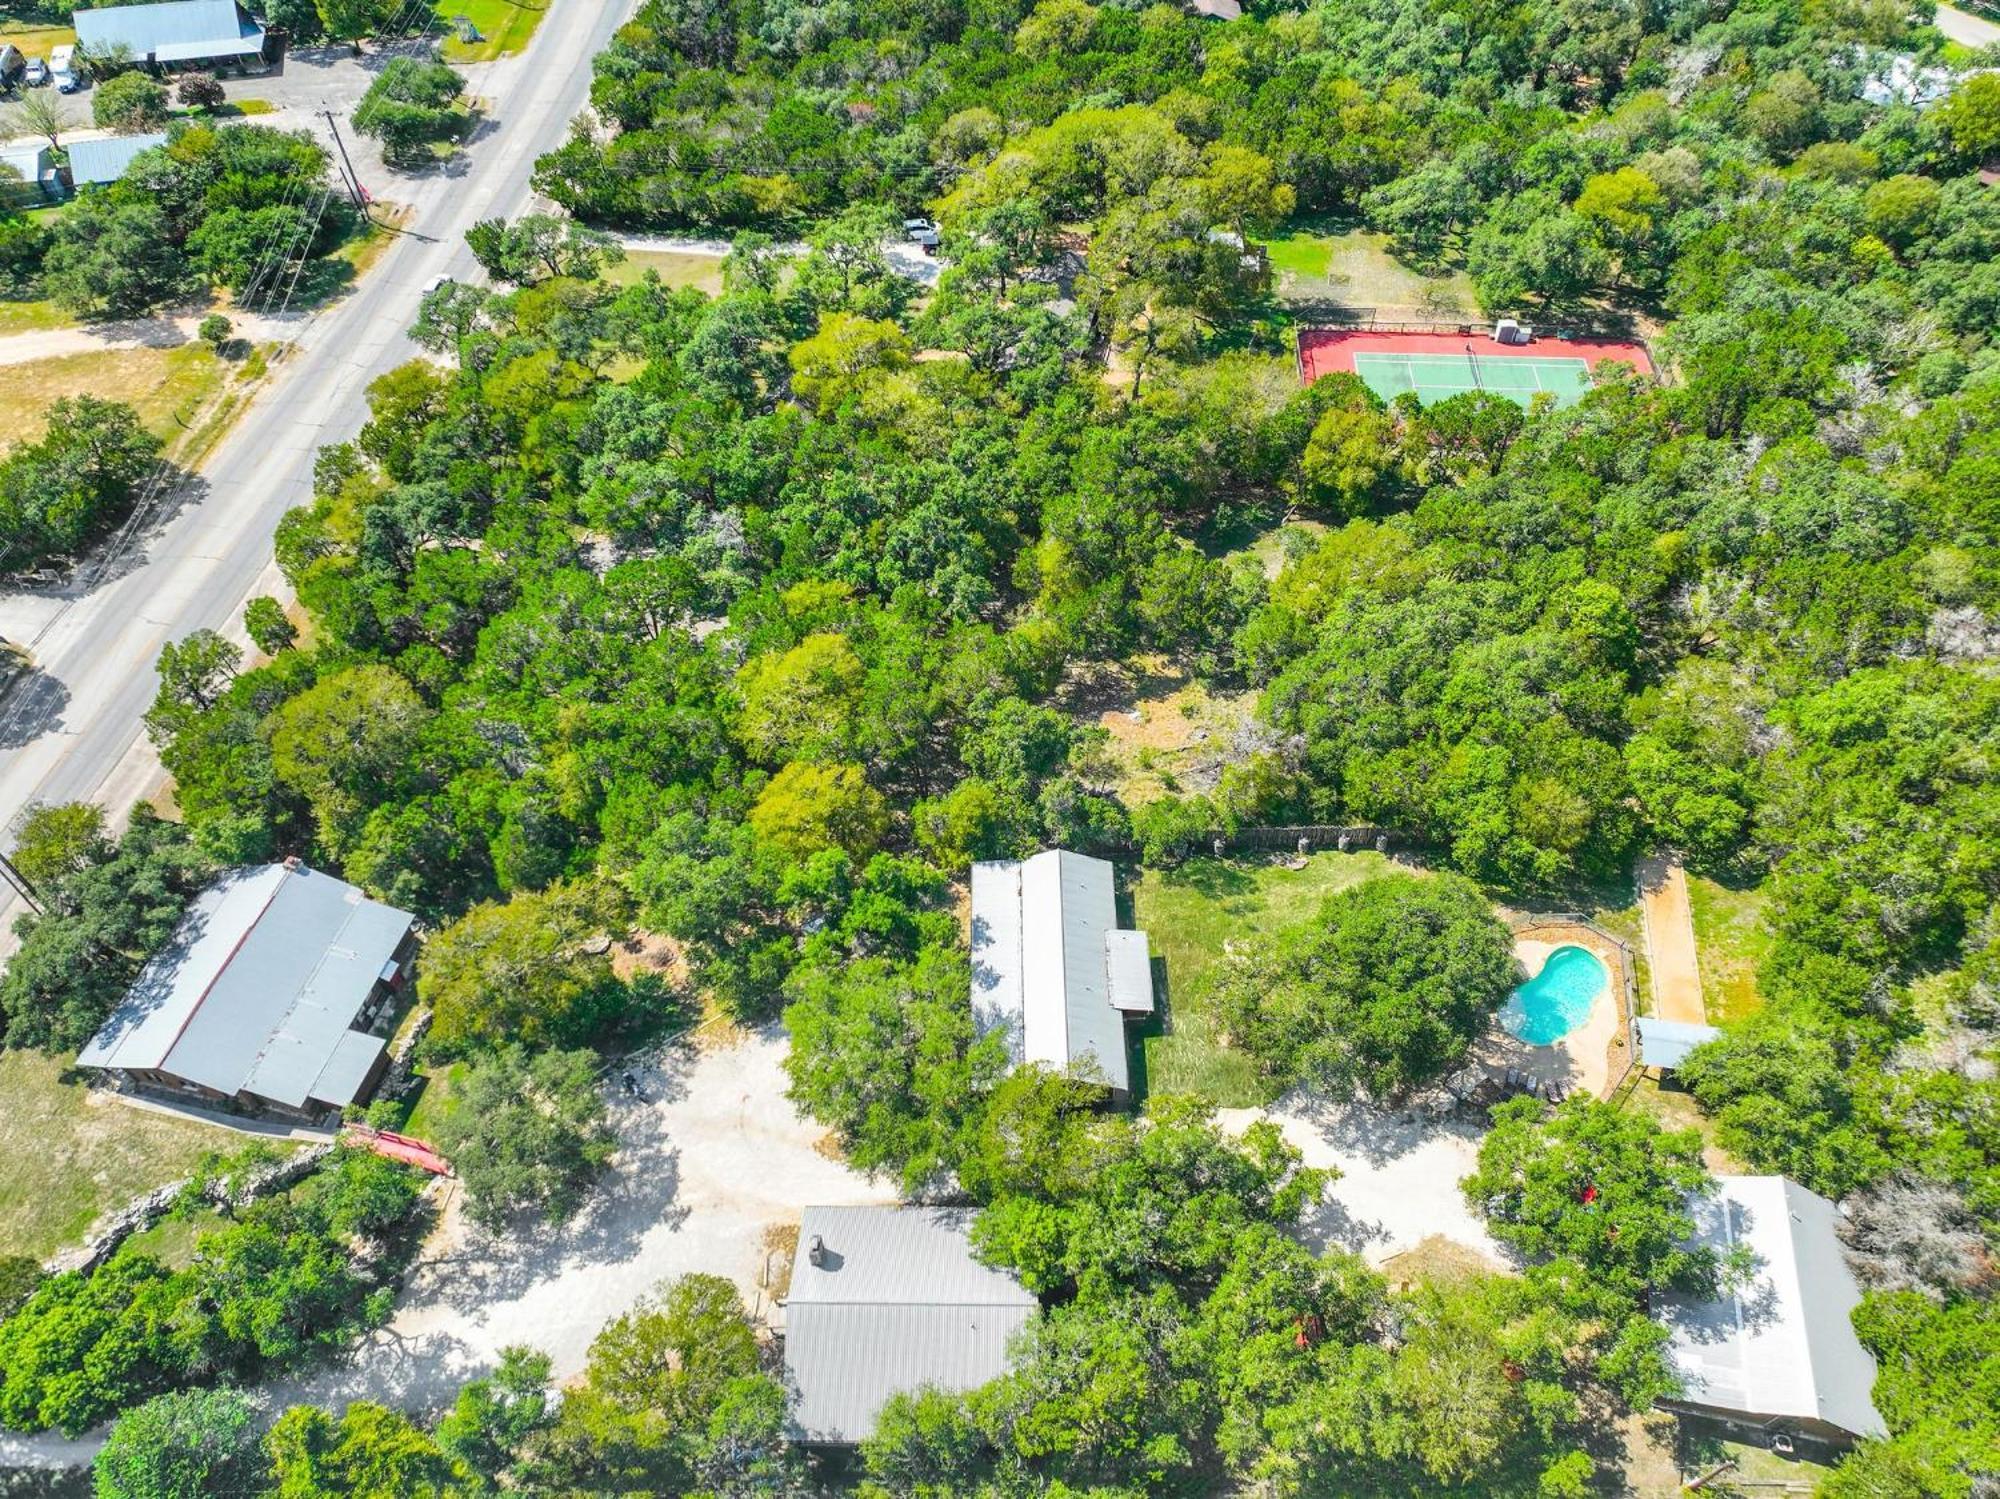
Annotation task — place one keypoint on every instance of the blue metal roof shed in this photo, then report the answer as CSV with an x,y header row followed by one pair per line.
x,y
94,163
176,31
1666,1043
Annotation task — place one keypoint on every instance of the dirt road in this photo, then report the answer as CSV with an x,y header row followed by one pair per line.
x,y
1663,901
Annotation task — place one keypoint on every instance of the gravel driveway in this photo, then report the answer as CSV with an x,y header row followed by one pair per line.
x,y
713,1161
1398,1179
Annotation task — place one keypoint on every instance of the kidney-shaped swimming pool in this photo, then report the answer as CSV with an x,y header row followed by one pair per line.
x,y
1558,999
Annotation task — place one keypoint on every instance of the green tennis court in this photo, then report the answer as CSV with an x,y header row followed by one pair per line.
x,y
1435,377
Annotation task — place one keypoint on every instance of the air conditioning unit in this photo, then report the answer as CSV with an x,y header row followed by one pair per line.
x,y
1508,331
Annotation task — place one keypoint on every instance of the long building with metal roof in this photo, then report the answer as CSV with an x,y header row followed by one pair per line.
x,y
173,31
1778,1354
1051,970
264,998
888,1300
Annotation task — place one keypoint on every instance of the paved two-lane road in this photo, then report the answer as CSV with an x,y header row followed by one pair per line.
x,y
72,730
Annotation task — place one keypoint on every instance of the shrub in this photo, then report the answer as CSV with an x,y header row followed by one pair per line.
x,y
131,101
200,91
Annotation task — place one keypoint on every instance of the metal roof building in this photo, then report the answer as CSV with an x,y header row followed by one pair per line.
x,y
1666,1043
1050,968
106,159
885,1300
174,31
256,999
1779,1353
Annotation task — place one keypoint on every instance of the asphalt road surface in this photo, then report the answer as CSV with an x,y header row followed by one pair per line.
x,y
1967,30
70,730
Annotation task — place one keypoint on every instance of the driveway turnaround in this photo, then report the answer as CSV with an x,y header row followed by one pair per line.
x,y
713,1166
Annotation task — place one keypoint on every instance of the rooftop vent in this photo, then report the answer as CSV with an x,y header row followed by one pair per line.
x,y
816,1251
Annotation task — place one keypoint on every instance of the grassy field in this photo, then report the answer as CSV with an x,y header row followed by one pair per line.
x,y
172,1241
37,41
1301,252
32,317
1356,269
702,272
504,26
169,388
1731,939
1190,913
67,1155
434,1102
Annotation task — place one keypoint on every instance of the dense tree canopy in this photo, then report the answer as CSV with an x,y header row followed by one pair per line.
x,y
762,613
1383,991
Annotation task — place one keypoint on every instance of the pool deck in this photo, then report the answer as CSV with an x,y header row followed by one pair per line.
x,y
1590,1058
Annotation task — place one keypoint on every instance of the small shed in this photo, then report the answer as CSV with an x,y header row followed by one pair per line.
x,y
33,175
95,163
1666,1043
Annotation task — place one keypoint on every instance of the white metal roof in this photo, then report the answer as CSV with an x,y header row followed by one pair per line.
x,y
171,30
1040,965
897,1304
257,989
1129,962
1666,1043
1783,1345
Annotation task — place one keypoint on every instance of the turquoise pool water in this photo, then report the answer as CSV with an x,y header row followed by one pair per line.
x,y
1558,999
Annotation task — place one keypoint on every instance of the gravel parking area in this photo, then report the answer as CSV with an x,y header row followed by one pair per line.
x,y
1398,1175
714,1165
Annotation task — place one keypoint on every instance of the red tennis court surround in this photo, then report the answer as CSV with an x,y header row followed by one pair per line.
x,y
1324,350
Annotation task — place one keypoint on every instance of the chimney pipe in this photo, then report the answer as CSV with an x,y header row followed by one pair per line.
x,y
816,1251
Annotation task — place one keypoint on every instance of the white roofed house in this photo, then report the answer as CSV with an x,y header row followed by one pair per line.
x,y
887,1301
1779,1354
1052,972
267,999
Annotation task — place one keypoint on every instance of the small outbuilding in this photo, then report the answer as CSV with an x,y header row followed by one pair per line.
x,y
27,173
97,163
1665,1043
1051,970
268,999
885,1301
1777,1356
172,33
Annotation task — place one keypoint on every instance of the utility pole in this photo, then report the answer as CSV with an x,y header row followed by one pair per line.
x,y
352,178
19,881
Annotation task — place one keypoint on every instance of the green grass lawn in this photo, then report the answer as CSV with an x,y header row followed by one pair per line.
x,y
37,41
1301,253
504,26
702,272
433,1103
66,1156
1731,938
1357,269
1189,913
32,317
172,1241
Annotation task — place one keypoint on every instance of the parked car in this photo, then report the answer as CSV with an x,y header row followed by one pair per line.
x,y
36,74
62,65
